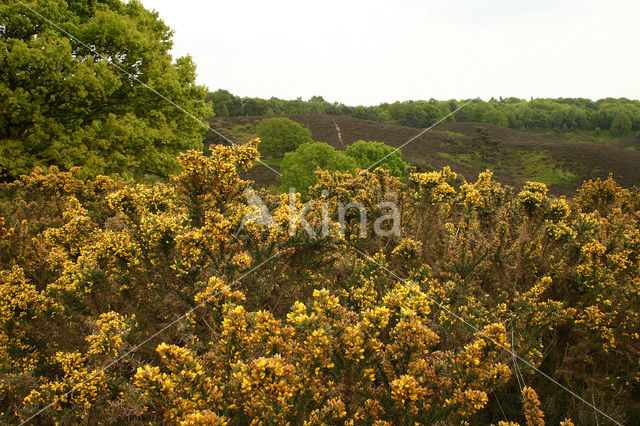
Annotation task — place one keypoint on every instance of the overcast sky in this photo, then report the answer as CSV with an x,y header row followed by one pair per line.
x,y
367,52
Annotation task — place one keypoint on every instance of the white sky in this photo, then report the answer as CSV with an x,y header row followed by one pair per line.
x,y
372,51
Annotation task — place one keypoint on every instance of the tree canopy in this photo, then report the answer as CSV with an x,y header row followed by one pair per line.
x,y
280,135
495,116
621,124
561,114
299,167
367,154
63,104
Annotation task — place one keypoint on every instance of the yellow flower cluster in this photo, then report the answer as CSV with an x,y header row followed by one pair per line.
x,y
533,197
405,391
407,249
484,195
434,187
532,411
318,334
109,340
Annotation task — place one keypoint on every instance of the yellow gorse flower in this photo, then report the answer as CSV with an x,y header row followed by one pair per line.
x,y
318,334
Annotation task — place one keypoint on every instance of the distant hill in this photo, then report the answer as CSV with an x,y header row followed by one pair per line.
x,y
517,157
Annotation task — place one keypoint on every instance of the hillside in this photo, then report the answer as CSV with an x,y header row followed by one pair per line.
x,y
518,157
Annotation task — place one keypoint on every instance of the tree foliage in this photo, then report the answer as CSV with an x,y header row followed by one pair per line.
x,y
621,124
366,154
562,114
299,167
281,135
62,103
495,116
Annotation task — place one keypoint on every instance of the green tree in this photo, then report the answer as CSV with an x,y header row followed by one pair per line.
x,y
431,113
561,115
483,141
224,103
621,124
298,167
280,135
367,154
62,103
495,116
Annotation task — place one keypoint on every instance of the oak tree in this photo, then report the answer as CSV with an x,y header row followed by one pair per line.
x,y
74,89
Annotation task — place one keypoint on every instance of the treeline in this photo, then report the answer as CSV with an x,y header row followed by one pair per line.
x,y
618,117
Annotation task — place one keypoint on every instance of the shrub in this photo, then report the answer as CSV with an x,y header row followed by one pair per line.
x,y
299,167
281,135
377,154
247,324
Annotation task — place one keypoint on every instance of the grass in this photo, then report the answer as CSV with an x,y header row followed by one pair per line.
x,y
273,161
578,136
556,176
244,132
541,167
451,133
523,165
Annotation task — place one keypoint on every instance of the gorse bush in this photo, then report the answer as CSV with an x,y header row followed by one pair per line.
x,y
294,328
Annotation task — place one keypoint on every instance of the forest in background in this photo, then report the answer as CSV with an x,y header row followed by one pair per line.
x,y
614,117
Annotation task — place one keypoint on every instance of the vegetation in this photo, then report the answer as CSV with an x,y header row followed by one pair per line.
x,y
153,301
281,135
62,104
615,117
483,141
298,167
522,164
621,124
417,330
377,154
